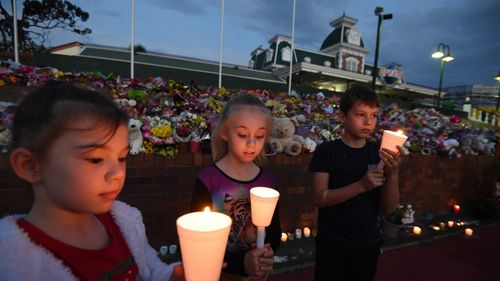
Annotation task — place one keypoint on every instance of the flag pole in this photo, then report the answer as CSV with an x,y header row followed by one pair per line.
x,y
291,50
221,41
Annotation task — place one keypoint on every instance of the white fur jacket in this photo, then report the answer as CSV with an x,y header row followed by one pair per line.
x,y
20,259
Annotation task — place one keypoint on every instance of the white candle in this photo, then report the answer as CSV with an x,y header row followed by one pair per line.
x,y
284,237
307,232
417,230
203,238
263,201
390,139
298,233
450,224
469,231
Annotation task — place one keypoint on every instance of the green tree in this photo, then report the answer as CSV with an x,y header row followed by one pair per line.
x,y
38,18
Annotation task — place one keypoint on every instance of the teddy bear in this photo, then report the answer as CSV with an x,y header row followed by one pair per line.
x,y
135,136
283,138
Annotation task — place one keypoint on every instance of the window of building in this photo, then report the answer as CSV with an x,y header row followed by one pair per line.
x,y
351,64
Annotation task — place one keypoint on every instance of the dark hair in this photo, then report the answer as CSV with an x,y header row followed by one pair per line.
x,y
357,93
45,113
219,146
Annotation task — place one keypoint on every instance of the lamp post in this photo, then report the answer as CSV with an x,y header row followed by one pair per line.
x,y
498,96
443,54
381,17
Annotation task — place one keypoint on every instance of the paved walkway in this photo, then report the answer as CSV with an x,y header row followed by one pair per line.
x,y
454,257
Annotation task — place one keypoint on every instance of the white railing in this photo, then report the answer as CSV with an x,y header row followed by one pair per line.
x,y
478,115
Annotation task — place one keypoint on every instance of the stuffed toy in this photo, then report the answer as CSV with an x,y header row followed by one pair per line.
x,y
135,136
283,137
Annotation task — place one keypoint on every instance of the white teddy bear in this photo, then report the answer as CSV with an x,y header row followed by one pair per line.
x,y
283,137
135,136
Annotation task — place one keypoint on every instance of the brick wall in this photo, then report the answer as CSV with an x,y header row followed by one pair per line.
x,y
161,188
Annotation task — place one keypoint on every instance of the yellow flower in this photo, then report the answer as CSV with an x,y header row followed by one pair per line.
x,y
162,132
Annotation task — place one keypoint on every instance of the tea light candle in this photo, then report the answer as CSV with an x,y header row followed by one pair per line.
x,y
456,208
263,202
284,237
307,232
450,224
417,230
441,225
436,228
391,139
298,233
469,231
203,238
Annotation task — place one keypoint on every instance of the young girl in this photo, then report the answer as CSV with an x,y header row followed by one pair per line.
x,y
71,145
237,149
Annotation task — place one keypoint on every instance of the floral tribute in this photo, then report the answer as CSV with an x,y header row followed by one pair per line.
x,y
174,113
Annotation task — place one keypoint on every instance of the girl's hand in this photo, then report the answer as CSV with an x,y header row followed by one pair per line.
x,y
391,160
259,262
178,273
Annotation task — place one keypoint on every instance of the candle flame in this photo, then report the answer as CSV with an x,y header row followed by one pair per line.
x,y
207,209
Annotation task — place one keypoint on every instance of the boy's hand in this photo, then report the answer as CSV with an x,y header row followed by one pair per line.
x,y
391,160
374,177
259,262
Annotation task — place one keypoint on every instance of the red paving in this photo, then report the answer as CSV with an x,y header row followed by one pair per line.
x,y
454,258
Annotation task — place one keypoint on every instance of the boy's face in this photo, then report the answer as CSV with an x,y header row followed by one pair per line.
x,y
83,171
360,121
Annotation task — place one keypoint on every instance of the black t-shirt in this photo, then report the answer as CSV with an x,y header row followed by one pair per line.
x,y
353,224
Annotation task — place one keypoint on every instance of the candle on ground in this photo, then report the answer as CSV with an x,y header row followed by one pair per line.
x,y
469,231
284,237
417,230
307,232
450,224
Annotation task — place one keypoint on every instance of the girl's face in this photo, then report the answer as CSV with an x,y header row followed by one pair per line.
x,y
246,133
360,121
83,171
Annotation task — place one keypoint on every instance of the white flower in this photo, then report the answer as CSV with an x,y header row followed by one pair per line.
x,y
132,103
327,135
310,145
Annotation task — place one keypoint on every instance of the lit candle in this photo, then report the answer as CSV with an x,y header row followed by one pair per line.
x,y
436,228
456,208
203,238
417,230
307,232
450,224
284,237
469,231
391,139
441,225
263,202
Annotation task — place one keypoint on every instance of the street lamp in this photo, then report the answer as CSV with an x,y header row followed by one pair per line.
x,y
443,54
498,96
381,17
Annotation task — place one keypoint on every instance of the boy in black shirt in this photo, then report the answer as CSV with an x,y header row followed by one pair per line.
x,y
351,190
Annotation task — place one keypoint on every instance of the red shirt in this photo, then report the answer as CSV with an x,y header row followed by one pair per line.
x,y
114,262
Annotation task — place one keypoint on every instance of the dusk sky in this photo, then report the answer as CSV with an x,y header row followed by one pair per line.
x,y
191,28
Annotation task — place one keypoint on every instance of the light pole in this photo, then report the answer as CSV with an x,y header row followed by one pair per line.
x,y
443,54
498,95
381,17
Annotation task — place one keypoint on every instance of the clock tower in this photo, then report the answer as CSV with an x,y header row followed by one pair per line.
x,y
346,44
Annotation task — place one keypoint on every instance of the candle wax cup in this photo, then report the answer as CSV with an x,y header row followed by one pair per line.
x,y
203,238
391,139
263,202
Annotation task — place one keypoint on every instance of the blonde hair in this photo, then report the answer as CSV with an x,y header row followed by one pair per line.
x,y
219,145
